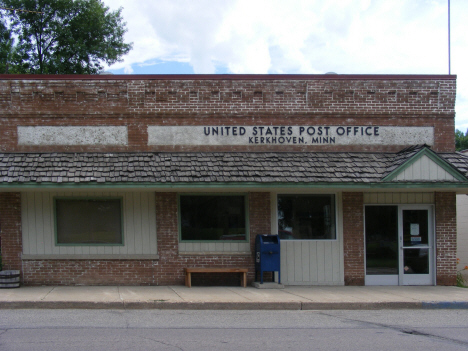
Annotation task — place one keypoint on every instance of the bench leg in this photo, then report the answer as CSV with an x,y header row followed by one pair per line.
x,y
244,280
188,279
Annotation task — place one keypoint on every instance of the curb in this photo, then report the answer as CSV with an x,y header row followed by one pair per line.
x,y
284,306
158,305
288,306
361,305
445,305
59,305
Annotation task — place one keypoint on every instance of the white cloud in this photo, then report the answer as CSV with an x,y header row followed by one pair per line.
x,y
274,36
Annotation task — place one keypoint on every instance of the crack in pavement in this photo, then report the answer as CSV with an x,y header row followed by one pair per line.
x,y
235,292
403,330
434,336
302,297
120,295
42,299
175,292
164,343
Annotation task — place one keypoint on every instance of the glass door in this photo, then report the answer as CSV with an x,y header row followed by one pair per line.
x,y
382,245
416,245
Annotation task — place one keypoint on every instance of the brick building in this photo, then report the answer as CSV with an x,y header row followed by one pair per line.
x,y
127,180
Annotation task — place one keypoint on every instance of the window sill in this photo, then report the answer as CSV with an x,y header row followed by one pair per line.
x,y
89,257
215,253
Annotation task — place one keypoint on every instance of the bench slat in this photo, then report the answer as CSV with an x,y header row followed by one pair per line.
x,y
216,270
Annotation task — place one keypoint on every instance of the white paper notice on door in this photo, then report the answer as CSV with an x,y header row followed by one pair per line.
x,y
414,228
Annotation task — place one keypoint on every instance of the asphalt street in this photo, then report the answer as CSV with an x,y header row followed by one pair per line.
x,y
72,330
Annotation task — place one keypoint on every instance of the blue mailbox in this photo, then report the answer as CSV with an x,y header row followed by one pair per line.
x,y
267,255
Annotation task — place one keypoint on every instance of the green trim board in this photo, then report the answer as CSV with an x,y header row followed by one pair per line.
x,y
246,214
433,157
234,185
99,198
87,257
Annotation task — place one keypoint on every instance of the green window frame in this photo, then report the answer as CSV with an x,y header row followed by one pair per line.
x,y
88,221
217,228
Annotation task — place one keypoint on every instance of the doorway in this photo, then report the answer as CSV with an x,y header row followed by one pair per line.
x,y
399,243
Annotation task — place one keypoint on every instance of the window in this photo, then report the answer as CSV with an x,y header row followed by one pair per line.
x,y
88,221
213,217
306,217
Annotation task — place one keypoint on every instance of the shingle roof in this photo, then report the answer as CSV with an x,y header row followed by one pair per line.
x,y
204,167
457,160
402,156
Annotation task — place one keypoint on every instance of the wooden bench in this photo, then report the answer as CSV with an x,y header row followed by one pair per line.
x,y
190,270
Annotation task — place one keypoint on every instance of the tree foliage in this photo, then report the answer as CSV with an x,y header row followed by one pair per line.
x,y
6,46
461,140
65,36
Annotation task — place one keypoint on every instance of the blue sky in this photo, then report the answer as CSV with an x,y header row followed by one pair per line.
x,y
305,37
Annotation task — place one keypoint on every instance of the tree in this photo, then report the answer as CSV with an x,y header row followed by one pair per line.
x,y
6,46
461,140
66,36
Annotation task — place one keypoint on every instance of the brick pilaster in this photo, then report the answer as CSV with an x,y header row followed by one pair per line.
x,y
259,216
260,223
10,230
446,238
170,268
353,238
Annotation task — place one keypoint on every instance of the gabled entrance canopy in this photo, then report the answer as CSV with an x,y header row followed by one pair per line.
x,y
424,165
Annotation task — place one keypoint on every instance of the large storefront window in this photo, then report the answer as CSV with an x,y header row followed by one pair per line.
x,y
306,217
88,221
213,217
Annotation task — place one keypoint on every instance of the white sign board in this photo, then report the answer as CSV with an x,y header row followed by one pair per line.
x,y
289,135
72,135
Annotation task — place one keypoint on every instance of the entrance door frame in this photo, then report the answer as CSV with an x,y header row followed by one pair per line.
x,y
400,279
417,279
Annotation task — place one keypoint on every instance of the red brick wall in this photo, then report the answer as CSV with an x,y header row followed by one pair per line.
x,y
259,216
353,238
358,95
88,272
10,230
169,269
260,223
308,101
446,238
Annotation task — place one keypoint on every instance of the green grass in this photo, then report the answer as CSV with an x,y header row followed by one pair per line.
x,y
460,281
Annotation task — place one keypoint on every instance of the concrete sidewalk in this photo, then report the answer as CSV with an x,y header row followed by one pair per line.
x,y
235,298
